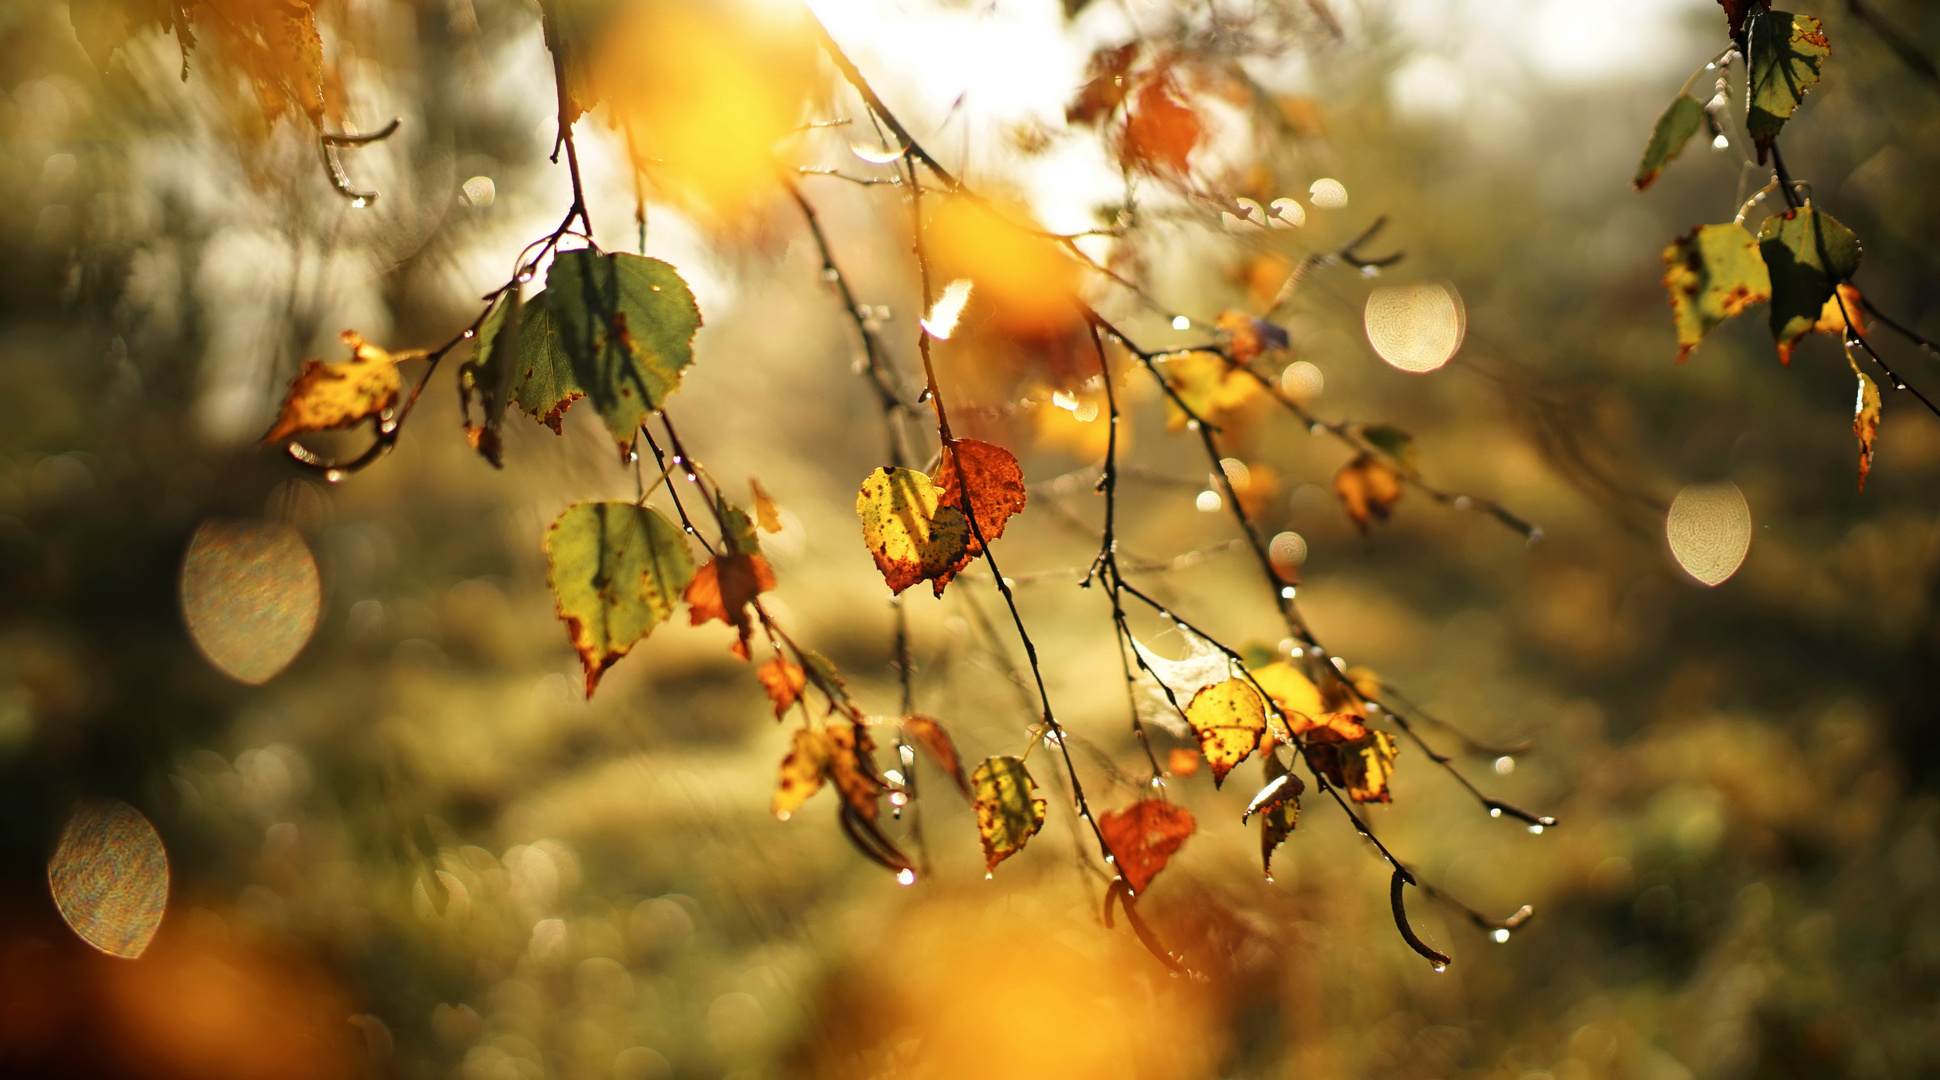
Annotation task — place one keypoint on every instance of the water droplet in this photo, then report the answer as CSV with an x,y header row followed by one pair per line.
x,y
1501,935
1721,142
783,815
988,876
1463,502
332,476
692,479
470,334
1495,811
527,276
1208,502
831,275
1286,592
1180,322
905,876
1535,830
1192,425
1440,967
360,202
1505,765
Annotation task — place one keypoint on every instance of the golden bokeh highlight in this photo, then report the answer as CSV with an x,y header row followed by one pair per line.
x,y
1415,327
250,596
702,93
1709,528
109,877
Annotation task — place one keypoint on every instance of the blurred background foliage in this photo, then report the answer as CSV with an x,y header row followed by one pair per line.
x,y
418,852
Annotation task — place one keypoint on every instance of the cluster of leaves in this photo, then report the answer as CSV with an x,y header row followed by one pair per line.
x,y
618,330
1801,260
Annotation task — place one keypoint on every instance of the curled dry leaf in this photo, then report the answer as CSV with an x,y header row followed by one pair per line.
x,y
1161,130
852,767
495,354
1228,717
935,741
802,771
1361,765
1278,805
1865,421
1368,488
1007,814
1143,837
723,588
1712,274
325,396
911,534
615,569
783,680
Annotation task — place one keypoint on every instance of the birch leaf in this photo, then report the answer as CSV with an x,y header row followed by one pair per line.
x,y
1143,838
325,396
615,569
626,323
1712,274
802,771
1007,814
912,536
1228,717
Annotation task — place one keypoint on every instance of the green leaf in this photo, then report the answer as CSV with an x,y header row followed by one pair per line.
x,y
627,325
1712,274
543,383
1007,815
615,569
1392,441
1786,51
494,358
1808,253
1667,139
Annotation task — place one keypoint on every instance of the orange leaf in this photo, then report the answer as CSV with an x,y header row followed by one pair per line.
x,y
994,484
1181,762
1228,718
1161,130
325,396
1143,837
852,766
783,680
935,741
1336,726
1368,487
722,590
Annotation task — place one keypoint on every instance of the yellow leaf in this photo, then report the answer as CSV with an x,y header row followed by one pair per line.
x,y
765,511
1292,691
325,396
1228,718
802,771
1208,385
1368,488
1007,815
912,537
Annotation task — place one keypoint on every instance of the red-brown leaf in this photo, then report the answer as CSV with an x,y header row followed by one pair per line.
x,y
935,741
984,481
1143,837
722,590
1161,130
783,680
